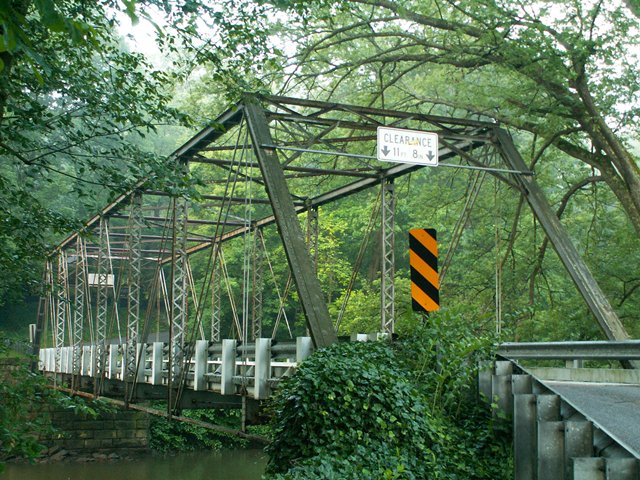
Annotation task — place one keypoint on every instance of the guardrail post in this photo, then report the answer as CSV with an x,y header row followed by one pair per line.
x,y
484,382
588,469
200,368
70,360
501,388
112,367
63,359
304,348
524,436
86,360
156,363
228,369
141,358
262,369
93,362
576,363
551,450
42,364
548,408
622,469
578,443
521,384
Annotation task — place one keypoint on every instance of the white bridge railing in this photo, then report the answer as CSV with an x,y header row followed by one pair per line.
x,y
227,368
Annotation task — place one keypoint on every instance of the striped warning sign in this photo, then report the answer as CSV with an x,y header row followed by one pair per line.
x,y
423,260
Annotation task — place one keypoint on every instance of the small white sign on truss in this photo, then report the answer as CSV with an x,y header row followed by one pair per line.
x,y
407,146
101,280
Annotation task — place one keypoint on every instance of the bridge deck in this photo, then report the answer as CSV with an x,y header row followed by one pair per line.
x,y
614,408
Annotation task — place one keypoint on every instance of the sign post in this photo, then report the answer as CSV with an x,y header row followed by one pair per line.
x,y
407,146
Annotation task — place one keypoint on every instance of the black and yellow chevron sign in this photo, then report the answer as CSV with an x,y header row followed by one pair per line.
x,y
423,260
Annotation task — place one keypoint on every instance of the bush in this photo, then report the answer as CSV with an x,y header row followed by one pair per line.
x,y
385,411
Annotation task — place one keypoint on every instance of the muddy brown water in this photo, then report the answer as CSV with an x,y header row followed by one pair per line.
x,y
223,465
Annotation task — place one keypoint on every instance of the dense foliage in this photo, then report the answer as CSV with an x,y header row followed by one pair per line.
x,y
381,410
173,436
25,399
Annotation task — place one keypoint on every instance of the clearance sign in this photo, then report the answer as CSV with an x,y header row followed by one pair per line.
x,y
423,260
407,146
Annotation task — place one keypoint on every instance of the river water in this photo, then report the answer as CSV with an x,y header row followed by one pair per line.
x,y
223,465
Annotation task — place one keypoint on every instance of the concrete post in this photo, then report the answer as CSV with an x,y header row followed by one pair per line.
x,y
484,383
501,393
262,368
551,450
588,469
112,364
622,469
521,384
578,443
524,436
93,362
228,367
304,348
86,360
200,370
141,359
156,363
64,360
504,367
42,359
70,359
548,408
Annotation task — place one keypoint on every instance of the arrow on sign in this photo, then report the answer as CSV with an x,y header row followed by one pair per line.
x,y
385,150
430,155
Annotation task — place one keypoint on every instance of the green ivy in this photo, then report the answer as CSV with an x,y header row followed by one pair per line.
x,y
385,411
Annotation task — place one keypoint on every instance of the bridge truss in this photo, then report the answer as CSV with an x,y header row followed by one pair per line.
x,y
254,164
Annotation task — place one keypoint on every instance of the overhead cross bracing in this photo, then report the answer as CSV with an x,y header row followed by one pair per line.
x,y
253,166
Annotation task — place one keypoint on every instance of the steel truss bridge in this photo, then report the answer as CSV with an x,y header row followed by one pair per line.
x,y
266,162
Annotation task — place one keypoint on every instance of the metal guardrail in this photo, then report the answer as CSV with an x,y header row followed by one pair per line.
x,y
593,350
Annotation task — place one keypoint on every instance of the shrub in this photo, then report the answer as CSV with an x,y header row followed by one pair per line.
x,y
389,411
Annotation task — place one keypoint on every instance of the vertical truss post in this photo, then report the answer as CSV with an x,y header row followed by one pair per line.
x,y
258,285
387,294
133,297
80,300
308,286
216,296
102,276
179,288
42,316
569,256
62,302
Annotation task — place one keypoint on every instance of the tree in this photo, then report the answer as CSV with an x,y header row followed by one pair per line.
x,y
564,71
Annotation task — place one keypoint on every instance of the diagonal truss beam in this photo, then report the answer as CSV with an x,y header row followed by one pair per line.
x,y
571,259
307,283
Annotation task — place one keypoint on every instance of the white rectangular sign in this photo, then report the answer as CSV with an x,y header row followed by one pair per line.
x,y
98,280
407,146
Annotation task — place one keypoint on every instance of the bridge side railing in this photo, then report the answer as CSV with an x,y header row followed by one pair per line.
x,y
227,368
601,355
553,437
592,350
